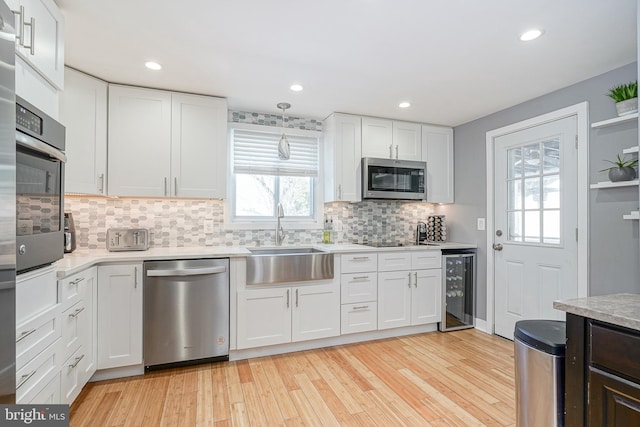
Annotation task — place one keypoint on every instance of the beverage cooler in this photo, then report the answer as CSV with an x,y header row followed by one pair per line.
x,y
458,289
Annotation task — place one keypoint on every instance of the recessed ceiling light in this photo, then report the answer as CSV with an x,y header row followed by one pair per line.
x,y
153,65
531,35
296,87
404,104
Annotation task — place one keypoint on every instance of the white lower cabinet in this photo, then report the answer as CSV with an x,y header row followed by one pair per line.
x,y
119,315
358,293
270,316
409,297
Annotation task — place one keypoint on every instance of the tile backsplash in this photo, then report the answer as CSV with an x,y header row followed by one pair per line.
x,y
180,222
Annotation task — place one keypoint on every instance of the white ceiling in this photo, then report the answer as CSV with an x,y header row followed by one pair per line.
x,y
454,60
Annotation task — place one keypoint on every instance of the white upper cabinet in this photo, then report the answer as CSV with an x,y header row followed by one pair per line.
x,y
83,111
198,146
139,142
391,140
40,42
407,141
437,151
164,144
343,151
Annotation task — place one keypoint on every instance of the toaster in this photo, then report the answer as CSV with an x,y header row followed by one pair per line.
x,y
127,239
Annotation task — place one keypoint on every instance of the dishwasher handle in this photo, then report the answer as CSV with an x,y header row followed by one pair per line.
x,y
186,271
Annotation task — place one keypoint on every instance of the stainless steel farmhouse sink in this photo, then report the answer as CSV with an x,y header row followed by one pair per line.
x,y
270,266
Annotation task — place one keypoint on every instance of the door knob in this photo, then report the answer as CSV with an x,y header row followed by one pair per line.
x,y
497,246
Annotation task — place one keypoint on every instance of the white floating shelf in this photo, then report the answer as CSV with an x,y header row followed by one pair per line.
x,y
632,215
615,121
630,150
609,184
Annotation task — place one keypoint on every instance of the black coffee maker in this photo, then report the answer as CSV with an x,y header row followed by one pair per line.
x,y
69,233
421,233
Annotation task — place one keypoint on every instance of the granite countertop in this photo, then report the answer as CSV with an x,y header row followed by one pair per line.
x,y
84,258
617,309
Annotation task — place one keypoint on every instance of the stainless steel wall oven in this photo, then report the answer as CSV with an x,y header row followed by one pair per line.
x,y
40,159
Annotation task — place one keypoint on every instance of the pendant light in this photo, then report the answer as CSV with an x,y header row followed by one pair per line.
x,y
284,152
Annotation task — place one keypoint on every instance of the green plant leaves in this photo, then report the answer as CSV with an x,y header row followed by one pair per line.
x,y
623,92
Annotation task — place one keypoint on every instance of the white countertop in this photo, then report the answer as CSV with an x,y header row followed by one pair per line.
x,y
617,309
80,259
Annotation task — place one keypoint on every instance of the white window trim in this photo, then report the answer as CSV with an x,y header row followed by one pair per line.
x,y
287,223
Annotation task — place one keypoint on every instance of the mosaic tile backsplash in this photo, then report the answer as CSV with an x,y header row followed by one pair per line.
x,y
274,120
179,222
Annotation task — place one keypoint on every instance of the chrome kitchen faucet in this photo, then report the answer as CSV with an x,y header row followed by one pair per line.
x,y
280,234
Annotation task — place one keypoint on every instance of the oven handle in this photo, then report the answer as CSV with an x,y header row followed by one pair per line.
x,y
35,144
186,272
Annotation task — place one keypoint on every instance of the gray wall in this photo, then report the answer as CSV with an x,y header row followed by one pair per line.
x,y
614,250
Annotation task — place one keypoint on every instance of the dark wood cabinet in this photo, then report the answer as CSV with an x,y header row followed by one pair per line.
x,y
602,376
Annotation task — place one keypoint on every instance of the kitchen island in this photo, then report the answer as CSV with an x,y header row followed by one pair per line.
x,y
602,378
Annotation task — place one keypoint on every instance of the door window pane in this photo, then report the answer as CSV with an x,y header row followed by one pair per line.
x,y
551,223
515,194
551,159
515,226
515,162
551,192
531,159
532,226
532,193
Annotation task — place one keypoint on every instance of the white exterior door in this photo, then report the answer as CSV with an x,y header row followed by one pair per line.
x,y
535,209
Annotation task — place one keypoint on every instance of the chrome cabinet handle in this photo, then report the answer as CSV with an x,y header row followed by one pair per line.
x,y
360,307
497,247
135,277
339,191
74,364
20,27
415,275
25,378
101,181
75,282
297,299
361,278
409,279
25,334
391,151
287,298
165,185
76,312
396,152
360,258
175,186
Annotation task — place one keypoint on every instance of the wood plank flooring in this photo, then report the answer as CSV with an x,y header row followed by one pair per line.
x,y
462,378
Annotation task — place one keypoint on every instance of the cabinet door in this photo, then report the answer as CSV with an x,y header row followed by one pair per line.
x,y
264,317
394,299
119,315
47,55
83,110
343,149
377,138
437,151
612,401
407,141
198,146
139,142
425,297
316,312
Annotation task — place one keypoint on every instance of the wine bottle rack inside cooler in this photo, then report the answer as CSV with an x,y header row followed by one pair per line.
x,y
458,291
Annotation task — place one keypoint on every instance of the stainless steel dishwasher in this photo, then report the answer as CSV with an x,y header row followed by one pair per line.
x,y
186,312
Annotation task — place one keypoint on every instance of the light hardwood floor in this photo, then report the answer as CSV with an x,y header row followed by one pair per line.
x,y
463,378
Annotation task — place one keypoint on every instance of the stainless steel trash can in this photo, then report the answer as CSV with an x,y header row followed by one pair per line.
x,y
539,362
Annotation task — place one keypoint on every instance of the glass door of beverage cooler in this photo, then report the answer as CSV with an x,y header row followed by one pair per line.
x,y
458,302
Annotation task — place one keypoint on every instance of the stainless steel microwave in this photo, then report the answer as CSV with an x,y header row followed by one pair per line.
x,y
393,179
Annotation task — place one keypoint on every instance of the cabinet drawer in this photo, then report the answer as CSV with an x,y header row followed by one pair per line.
x,y
358,287
615,350
36,291
426,259
36,374
359,317
49,395
36,335
394,261
75,326
72,373
74,288
358,263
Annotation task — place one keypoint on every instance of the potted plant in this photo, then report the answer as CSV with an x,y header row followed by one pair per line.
x,y
626,97
622,169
